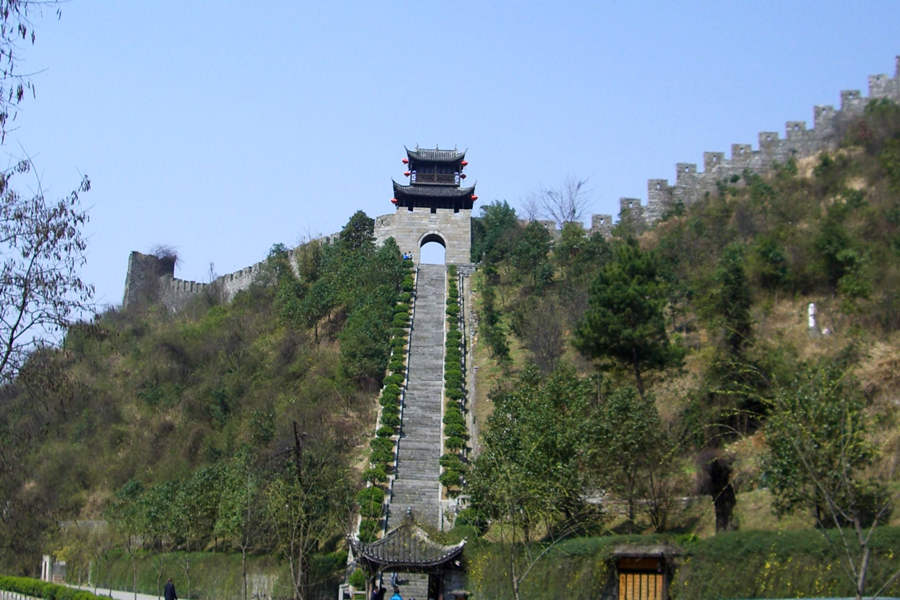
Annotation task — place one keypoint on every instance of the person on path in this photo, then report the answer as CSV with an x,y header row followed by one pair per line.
x,y
169,590
396,595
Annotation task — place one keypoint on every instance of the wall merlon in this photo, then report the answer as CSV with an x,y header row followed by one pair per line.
x,y
851,101
794,129
685,173
712,161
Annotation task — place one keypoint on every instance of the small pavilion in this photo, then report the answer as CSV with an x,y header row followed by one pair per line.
x,y
407,549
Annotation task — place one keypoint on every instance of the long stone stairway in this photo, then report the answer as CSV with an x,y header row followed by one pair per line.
x,y
417,487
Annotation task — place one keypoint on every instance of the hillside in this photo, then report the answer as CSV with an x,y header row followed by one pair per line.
x,y
652,381
730,279
145,403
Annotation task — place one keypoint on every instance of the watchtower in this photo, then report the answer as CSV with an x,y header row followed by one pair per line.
x,y
434,207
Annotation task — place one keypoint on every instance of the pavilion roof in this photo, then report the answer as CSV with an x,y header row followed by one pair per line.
x,y
408,547
433,191
435,155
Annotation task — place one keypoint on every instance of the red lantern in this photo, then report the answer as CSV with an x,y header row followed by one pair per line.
x,y
405,161
406,173
393,201
462,175
474,197
464,163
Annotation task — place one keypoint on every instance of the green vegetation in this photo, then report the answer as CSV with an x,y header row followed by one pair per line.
x,y
191,429
688,343
43,589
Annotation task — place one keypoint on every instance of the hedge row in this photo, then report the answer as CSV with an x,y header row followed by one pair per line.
x,y
737,564
43,589
381,457
455,432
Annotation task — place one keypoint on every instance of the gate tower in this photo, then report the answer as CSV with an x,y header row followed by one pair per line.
x,y
434,207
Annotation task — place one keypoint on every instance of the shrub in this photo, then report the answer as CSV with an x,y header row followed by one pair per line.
x,y
385,431
370,500
358,578
381,457
450,478
404,297
452,461
453,414
375,474
368,532
393,378
455,393
454,442
453,310
471,517
407,284
380,443
456,429
389,420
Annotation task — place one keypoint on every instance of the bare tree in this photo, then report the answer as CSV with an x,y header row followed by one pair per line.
x,y
42,248
567,203
41,242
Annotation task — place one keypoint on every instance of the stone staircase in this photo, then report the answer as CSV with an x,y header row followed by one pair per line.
x,y
417,487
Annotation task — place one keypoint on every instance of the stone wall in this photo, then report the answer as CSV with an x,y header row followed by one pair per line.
x,y
691,185
412,228
151,279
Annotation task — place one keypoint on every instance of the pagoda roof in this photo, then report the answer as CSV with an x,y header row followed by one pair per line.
x,y
430,190
435,155
405,547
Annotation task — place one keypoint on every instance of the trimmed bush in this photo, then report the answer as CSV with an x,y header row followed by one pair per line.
x,y
381,457
385,431
368,532
357,578
393,378
404,297
452,461
43,589
455,393
389,420
450,478
375,474
454,443
380,443
456,429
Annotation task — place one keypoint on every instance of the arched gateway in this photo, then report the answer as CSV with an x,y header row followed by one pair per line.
x,y
433,207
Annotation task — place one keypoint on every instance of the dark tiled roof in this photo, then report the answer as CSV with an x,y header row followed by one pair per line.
x,y
435,155
433,191
407,546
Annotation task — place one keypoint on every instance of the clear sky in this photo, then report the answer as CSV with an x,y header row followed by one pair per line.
x,y
221,128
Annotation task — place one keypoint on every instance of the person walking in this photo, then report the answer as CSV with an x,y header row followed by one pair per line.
x,y
169,591
396,595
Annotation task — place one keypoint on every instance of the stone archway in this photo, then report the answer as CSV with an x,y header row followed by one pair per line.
x,y
412,228
428,255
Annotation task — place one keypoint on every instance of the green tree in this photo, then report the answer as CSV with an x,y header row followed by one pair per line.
x,y
625,320
820,457
238,517
307,502
529,477
358,233
499,227
628,442
530,251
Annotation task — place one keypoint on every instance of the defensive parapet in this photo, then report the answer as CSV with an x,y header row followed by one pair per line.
x,y
691,185
152,280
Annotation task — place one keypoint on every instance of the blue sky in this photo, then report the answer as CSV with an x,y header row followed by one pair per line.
x,y
222,128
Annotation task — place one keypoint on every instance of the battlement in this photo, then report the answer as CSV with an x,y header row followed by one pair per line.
x,y
152,280
798,142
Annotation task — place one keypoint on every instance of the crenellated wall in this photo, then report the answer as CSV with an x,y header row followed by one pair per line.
x,y
151,279
798,141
